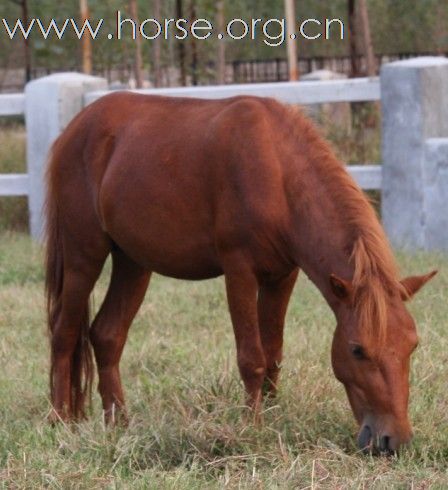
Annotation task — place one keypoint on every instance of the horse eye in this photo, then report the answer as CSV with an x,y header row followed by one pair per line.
x,y
358,352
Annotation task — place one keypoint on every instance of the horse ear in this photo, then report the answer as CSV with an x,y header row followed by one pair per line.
x,y
413,284
341,288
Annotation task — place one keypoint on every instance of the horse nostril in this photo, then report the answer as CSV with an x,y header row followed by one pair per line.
x,y
384,445
365,438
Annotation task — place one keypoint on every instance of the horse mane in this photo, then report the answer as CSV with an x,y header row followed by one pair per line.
x,y
375,277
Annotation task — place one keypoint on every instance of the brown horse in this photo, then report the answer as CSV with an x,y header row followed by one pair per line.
x,y
194,189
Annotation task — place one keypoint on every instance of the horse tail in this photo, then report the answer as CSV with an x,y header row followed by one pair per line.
x,y
82,360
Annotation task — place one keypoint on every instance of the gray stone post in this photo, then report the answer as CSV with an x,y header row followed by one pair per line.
x,y
414,98
435,183
50,104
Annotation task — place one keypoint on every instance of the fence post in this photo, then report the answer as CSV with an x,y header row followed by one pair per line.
x,y
435,183
414,97
50,104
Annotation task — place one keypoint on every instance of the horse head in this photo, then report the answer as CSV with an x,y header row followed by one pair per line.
x,y
373,365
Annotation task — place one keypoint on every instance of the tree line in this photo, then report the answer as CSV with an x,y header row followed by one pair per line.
x,y
372,26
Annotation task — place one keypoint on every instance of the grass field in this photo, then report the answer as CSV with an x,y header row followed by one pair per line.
x,y
188,426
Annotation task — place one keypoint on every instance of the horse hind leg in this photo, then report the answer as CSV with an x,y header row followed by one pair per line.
x,y
110,328
70,353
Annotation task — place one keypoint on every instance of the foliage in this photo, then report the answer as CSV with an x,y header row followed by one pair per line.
x,y
397,26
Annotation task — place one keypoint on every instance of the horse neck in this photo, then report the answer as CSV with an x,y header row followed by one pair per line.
x,y
320,248
322,230
329,217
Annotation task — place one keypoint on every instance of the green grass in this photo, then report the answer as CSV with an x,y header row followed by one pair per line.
x,y
188,427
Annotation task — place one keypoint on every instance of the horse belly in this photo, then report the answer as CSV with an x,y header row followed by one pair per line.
x,y
176,242
192,262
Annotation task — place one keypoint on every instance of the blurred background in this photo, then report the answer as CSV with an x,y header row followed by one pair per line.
x,y
375,32
386,29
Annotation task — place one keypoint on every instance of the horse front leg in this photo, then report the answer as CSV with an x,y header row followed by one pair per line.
x,y
273,299
242,288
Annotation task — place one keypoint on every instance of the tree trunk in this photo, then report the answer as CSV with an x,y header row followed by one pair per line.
x,y
86,42
368,46
27,42
194,47
291,42
221,63
138,62
183,71
354,55
157,48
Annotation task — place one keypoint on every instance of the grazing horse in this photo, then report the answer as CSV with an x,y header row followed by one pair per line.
x,y
193,189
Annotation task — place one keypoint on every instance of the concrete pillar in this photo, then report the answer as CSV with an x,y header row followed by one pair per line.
x,y
50,104
435,184
414,98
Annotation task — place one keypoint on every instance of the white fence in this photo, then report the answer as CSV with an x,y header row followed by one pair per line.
x,y
413,178
13,184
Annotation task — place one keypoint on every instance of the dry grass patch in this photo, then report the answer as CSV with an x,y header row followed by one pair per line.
x,y
189,428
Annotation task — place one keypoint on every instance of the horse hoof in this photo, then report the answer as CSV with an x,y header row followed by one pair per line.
x,y
56,417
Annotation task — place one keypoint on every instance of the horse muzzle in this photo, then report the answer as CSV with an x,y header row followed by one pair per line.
x,y
381,442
